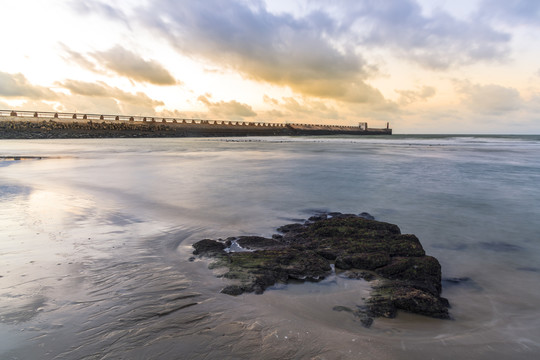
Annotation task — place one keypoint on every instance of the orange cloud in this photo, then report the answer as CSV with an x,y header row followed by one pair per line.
x,y
18,86
124,63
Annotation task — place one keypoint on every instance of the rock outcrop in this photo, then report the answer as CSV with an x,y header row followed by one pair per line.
x,y
403,276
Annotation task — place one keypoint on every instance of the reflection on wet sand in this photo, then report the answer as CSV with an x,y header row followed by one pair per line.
x,y
95,249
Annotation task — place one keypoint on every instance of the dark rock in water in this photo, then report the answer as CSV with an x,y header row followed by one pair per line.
x,y
366,321
208,247
233,290
318,217
363,261
367,216
257,242
290,227
403,276
390,297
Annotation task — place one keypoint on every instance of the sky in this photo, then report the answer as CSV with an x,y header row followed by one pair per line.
x,y
424,66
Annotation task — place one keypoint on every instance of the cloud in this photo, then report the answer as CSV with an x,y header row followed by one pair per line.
x,y
269,100
17,86
93,105
410,96
512,12
85,7
84,88
320,52
308,107
133,66
35,105
122,62
174,114
274,114
82,97
437,41
489,99
230,110
308,110
275,48
301,109
83,60
100,89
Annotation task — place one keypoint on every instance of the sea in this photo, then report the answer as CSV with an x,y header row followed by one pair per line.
x,y
96,245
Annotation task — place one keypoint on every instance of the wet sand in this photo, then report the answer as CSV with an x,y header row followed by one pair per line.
x,y
95,252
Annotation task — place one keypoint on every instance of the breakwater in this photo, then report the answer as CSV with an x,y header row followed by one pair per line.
x,y
37,125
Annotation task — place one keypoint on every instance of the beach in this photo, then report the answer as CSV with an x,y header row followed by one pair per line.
x,y
97,234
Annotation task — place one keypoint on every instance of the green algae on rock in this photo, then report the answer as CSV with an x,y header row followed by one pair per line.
x,y
405,277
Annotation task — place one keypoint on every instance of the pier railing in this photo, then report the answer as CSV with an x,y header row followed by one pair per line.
x,y
50,115
107,117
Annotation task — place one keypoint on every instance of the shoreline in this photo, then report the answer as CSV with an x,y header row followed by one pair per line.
x,y
13,127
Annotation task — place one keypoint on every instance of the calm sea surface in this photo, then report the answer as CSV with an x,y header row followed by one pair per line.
x,y
95,239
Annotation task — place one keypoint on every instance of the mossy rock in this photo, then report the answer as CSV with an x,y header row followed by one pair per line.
x,y
407,279
257,242
366,261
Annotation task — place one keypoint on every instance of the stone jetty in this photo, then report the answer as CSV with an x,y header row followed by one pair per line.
x,y
34,125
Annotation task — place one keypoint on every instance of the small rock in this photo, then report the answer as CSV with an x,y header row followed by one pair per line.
x,y
208,247
366,321
233,290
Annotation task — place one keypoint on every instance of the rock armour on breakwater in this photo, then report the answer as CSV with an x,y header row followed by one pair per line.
x,y
14,128
403,277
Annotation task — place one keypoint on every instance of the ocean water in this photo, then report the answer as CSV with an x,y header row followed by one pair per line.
x,y
95,241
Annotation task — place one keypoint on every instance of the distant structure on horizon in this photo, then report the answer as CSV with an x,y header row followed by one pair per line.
x,y
58,124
